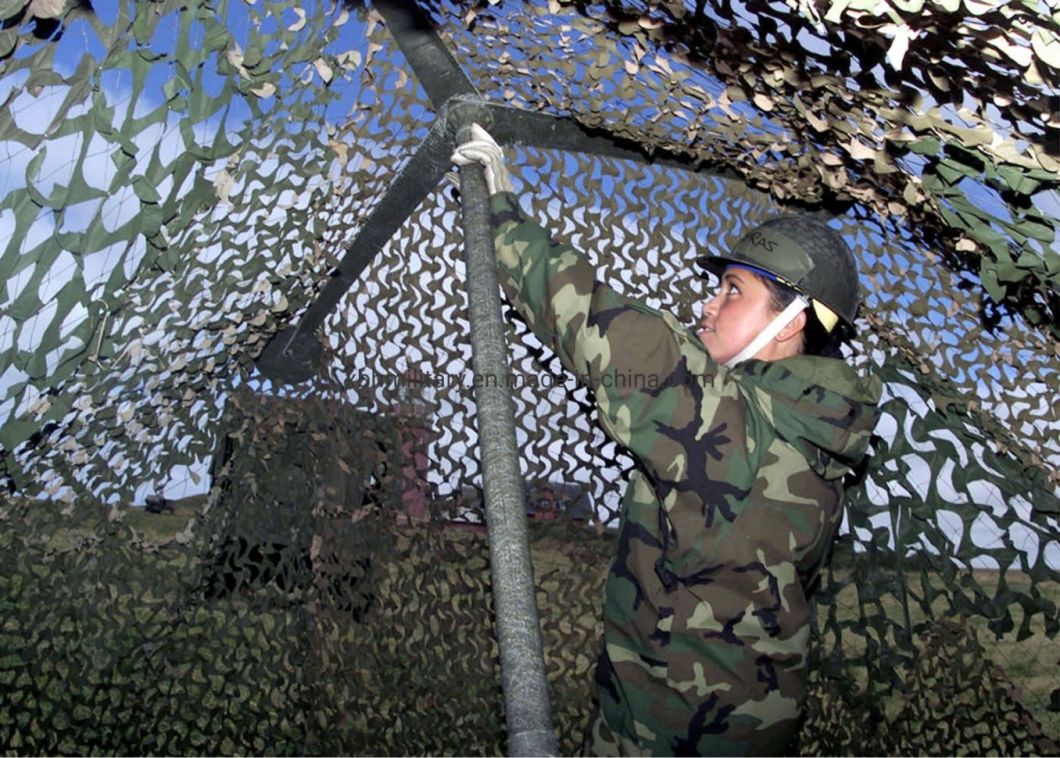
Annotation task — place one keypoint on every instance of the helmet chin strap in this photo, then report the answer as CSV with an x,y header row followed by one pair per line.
x,y
772,329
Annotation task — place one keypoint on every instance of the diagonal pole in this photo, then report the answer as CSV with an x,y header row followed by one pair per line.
x,y
293,355
526,698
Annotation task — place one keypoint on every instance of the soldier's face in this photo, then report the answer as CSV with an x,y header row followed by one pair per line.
x,y
736,315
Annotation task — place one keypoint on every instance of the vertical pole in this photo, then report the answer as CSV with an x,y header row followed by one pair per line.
x,y
525,687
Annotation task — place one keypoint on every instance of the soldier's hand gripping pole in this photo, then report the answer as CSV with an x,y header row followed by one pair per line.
x,y
526,697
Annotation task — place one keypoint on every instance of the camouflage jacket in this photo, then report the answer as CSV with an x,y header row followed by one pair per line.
x,y
727,519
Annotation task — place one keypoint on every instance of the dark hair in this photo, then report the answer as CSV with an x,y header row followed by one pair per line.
x,y
815,340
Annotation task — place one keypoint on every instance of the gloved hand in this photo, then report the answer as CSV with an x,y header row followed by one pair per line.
x,y
483,149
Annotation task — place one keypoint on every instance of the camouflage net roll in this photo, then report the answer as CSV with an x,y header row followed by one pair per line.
x,y
178,181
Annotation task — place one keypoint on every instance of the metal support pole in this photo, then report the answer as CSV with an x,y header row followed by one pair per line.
x,y
526,695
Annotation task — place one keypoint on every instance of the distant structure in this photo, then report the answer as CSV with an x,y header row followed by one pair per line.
x,y
413,413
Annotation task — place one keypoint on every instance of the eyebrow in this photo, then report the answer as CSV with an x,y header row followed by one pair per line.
x,y
732,275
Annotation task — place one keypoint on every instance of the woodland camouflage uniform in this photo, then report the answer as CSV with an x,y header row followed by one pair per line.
x,y
726,521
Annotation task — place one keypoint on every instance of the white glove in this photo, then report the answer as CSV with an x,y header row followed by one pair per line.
x,y
484,150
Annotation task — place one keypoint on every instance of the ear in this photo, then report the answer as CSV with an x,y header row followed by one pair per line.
x,y
793,329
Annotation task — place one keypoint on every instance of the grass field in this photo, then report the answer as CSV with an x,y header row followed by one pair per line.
x,y
1032,664
446,589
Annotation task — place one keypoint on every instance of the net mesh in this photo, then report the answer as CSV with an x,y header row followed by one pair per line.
x,y
179,180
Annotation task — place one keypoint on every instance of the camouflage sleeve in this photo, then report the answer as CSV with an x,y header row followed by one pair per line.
x,y
703,446
626,352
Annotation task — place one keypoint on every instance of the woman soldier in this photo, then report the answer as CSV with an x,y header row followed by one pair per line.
x,y
741,445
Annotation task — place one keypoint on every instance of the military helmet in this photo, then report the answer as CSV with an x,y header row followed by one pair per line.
x,y
805,254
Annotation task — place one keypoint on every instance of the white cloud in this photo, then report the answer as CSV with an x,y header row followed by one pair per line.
x,y
59,164
34,114
59,275
119,209
33,328
40,231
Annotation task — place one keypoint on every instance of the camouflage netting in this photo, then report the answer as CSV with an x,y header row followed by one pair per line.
x,y
178,180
